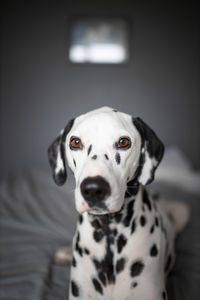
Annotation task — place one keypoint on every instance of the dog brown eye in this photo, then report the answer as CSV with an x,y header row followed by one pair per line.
x,y
76,143
124,143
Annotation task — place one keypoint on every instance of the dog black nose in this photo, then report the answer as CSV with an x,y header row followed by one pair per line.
x,y
95,189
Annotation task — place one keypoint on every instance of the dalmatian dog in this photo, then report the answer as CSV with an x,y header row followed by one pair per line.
x,y
123,247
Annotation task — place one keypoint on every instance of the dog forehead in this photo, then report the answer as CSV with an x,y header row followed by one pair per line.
x,y
103,122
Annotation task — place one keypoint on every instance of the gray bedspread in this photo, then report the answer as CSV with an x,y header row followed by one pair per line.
x,y
36,218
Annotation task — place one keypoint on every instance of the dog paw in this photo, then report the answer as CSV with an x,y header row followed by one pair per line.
x,y
63,256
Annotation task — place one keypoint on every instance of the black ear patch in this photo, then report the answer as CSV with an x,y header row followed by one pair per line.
x,y
152,150
56,160
56,156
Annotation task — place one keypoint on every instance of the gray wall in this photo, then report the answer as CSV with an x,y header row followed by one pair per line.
x,y
41,90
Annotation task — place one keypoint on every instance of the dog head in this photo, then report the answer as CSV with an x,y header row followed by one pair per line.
x,y
106,150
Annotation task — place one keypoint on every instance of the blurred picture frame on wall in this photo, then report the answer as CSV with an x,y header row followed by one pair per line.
x,y
99,40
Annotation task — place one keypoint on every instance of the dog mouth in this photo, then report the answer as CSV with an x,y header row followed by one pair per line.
x,y
96,210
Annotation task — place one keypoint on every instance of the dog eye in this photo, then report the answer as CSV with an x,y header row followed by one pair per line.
x,y
76,144
124,143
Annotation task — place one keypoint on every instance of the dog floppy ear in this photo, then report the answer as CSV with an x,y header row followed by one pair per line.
x,y
56,156
152,150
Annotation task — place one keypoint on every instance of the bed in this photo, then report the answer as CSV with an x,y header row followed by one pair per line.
x,y
37,218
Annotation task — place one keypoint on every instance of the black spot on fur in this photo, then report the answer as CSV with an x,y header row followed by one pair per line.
x,y
97,263
106,156
80,219
98,235
117,158
102,278
134,284
142,220
75,289
154,250
156,221
97,286
146,200
121,242
132,188
136,268
164,295
96,224
120,264
129,214
94,157
140,164
77,245
89,149
115,231
133,226
163,228
74,162
168,263
152,229
118,217
114,110
74,262
87,251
